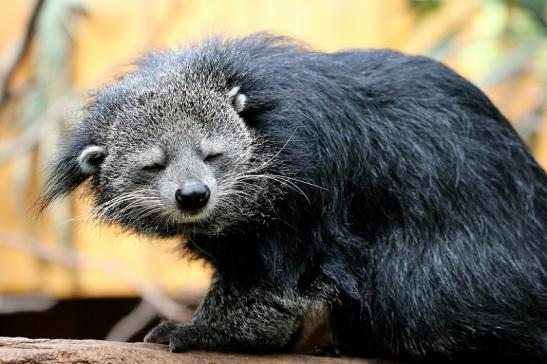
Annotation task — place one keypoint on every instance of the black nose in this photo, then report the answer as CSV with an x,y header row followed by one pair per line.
x,y
193,195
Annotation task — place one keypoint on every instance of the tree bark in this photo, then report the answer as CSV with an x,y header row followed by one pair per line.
x,y
23,350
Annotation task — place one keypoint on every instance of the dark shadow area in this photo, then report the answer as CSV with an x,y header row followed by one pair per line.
x,y
72,319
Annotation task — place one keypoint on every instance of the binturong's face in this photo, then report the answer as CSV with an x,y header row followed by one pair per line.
x,y
164,158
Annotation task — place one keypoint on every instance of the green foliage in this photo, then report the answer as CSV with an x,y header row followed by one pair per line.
x,y
425,6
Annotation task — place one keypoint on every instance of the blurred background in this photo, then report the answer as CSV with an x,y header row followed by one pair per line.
x,y
62,276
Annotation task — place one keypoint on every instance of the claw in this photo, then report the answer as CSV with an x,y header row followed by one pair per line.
x,y
170,333
175,345
330,350
161,333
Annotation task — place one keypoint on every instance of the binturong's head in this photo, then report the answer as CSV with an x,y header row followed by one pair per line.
x,y
164,150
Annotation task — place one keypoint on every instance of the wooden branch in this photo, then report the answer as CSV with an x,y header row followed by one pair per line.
x,y
20,50
22,350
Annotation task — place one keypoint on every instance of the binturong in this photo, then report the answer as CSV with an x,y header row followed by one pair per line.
x,y
382,186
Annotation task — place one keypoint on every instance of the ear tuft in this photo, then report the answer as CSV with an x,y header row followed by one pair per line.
x,y
238,99
76,162
90,158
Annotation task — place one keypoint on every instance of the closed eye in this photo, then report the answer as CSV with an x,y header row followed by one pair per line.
x,y
213,156
155,167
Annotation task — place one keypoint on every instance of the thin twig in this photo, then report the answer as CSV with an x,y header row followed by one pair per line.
x,y
133,322
20,51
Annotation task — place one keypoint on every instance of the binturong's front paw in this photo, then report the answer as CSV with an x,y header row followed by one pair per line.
x,y
177,336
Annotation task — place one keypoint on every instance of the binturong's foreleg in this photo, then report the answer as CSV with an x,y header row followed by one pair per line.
x,y
233,318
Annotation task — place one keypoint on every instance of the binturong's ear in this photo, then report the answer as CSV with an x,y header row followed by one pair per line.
x,y
77,160
90,159
237,99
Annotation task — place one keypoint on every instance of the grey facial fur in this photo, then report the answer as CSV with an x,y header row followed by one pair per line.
x,y
185,127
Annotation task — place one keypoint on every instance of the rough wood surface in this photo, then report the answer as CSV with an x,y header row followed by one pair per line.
x,y
23,350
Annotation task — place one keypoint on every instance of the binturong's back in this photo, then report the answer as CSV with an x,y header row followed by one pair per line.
x,y
382,185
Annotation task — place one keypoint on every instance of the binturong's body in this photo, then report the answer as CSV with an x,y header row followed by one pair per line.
x,y
383,185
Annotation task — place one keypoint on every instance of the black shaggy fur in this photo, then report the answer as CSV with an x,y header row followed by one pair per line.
x,y
420,216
